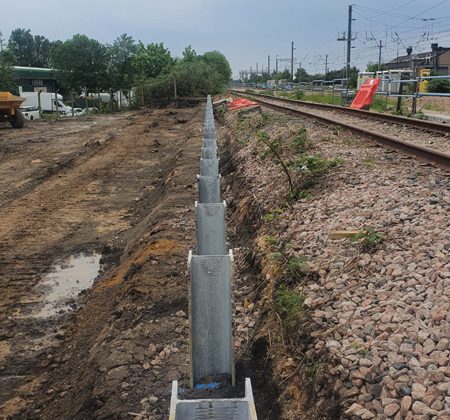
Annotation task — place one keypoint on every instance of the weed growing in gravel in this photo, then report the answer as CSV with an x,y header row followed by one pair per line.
x,y
313,373
368,238
273,147
298,266
274,214
349,141
254,122
312,167
270,240
300,141
368,161
289,305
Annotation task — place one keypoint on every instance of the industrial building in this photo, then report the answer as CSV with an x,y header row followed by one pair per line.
x,y
436,60
33,79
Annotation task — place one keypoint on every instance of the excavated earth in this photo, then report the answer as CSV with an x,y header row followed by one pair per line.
x,y
110,197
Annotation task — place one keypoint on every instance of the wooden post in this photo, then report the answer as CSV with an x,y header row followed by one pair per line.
x,y
110,100
399,98
39,103
56,104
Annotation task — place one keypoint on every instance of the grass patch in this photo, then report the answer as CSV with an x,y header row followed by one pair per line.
x,y
274,214
368,238
289,306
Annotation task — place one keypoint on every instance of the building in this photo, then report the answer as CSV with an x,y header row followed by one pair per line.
x,y
436,60
33,79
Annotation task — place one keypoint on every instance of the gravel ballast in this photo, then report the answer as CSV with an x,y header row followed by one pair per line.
x,y
382,311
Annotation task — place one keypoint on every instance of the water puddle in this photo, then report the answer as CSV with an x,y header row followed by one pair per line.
x,y
61,287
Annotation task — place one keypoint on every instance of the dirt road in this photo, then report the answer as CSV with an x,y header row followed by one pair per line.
x,y
107,195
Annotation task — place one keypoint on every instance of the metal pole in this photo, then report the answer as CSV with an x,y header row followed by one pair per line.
x,y
379,55
349,46
276,64
292,60
326,66
268,64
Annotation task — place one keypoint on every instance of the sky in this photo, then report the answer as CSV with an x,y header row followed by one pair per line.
x,y
246,31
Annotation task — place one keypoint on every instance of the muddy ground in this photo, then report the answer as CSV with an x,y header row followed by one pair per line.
x,y
122,186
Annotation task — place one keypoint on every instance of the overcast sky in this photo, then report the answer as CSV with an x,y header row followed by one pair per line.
x,y
246,31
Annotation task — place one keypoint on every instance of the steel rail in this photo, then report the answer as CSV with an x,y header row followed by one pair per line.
x,y
397,119
433,157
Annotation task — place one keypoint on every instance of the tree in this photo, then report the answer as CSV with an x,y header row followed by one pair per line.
x,y
221,65
373,67
21,44
152,60
6,71
41,52
81,63
189,54
121,62
302,75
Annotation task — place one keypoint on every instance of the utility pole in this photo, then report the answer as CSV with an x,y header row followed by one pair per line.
x,y
276,64
257,69
292,60
326,66
349,38
268,64
380,46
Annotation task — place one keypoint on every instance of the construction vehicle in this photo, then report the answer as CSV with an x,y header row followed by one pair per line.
x,y
9,109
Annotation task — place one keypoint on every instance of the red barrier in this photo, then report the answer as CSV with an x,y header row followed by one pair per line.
x,y
366,92
240,103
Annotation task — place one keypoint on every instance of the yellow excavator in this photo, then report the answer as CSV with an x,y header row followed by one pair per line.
x,y
9,109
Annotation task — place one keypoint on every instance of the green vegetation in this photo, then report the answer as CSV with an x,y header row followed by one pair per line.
x,y
368,238
6,73
300,140
438,86
86,65
311,168
301,170
368,161
273,215
289,306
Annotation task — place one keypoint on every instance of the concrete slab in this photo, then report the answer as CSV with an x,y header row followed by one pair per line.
x,y
213,409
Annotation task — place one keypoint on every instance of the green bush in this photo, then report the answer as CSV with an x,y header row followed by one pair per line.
x,y
439,86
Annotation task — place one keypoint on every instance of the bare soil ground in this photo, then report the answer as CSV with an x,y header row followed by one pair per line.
x,y
120,185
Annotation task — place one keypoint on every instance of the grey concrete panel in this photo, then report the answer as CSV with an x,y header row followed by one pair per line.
x,y
210,142
209,167
209,189
213,409
209,152
211,228
209,134
211,338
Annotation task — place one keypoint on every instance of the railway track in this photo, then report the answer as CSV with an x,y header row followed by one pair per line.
x,y
423,140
